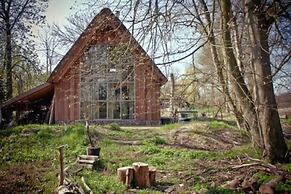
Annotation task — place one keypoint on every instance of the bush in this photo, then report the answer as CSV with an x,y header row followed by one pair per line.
x,y
158,141
114,127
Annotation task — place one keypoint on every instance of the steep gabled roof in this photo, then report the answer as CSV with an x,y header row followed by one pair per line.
x,y
85,38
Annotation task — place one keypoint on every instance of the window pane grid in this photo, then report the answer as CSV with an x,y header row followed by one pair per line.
x,y
107,85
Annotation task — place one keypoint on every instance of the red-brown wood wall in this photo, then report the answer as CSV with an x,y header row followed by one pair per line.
x,y
67,96
147,86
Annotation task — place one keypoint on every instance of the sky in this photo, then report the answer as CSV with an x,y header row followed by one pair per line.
x,y
59,10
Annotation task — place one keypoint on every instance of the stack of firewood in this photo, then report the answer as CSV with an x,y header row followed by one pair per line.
x,y
89,161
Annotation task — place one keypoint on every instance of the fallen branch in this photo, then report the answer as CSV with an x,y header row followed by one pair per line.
x,y
87,188
263,163
268,187
245,165
74,172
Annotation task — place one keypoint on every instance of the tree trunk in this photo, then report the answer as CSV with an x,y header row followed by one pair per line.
x,y
240,88
241,123
8,61
274,144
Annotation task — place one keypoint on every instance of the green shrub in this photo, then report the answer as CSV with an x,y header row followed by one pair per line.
x,y
158,141
106,142
218,125
76,128
150,149
113,127
45,133
171,126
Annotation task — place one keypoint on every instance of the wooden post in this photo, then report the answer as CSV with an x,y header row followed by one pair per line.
x,y
141,174
61,150
52,111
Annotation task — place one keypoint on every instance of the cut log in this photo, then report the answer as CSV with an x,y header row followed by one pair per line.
x,y
88,166
268,187
128,177
63,190
88,161
152,175
141,174
125,174
92,162
88,189
88,157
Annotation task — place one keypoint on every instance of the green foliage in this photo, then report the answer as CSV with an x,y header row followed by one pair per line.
x,y
158,140
168,127
37,145
218,125
221,190
244,133
287,167
106,142
238,151
77,129
103,184
281,187
286,121
113,127
45,133
200,188
150,149
264,178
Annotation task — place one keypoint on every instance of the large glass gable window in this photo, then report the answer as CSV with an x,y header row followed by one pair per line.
x,y
107,83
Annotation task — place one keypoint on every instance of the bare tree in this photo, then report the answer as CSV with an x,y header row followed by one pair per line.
x,y
49,47
17,19
172,31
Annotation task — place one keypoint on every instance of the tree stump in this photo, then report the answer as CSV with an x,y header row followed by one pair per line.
x,y
152,175
141,174
125,174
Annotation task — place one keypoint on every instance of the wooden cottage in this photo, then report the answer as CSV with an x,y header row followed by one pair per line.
x,y
105,77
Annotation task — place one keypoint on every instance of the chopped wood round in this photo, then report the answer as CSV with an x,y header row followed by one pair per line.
x,y
125,174
152,175
141,174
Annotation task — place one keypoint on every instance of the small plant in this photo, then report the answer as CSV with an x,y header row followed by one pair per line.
x,y
150,149
158,140
216,125
171,126
114,127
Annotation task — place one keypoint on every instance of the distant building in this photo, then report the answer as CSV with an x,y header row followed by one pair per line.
x,y
106,76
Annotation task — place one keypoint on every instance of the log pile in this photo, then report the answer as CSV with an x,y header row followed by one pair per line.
x,y
139,175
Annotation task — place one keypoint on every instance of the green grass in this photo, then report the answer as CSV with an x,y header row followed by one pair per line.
x,y
168,127
31,152
218,125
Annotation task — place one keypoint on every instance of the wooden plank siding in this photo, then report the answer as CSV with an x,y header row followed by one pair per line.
x,y
67,100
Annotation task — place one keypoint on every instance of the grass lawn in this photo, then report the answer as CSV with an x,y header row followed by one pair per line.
x,y
196,157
